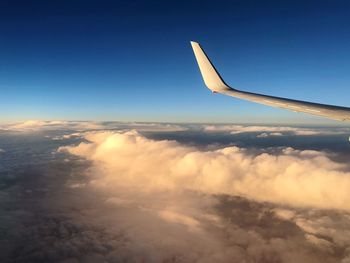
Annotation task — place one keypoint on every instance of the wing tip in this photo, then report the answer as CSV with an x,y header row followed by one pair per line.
x,y
194,43
211,76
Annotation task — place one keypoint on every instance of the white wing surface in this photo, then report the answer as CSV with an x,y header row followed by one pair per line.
x,y
215,83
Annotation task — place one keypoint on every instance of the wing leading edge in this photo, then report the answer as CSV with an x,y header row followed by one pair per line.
x,y
215,83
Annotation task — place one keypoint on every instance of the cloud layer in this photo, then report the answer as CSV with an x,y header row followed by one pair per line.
x,y
224,205
292,177
267,131
120,196
38,125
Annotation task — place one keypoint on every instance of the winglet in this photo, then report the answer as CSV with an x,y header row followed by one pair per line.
x,y
211,77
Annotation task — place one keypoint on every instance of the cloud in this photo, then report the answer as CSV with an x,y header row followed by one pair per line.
x,y
124,197
293,177
174,217
284,214
151,127
35,125
265,135
67,136
267,131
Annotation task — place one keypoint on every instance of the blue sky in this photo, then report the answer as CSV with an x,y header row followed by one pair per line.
x,y
132,60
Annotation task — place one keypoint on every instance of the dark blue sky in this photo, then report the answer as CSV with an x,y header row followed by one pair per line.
x,y
132,60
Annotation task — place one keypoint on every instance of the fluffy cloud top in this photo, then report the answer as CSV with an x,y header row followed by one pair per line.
x,y
137,199
296,178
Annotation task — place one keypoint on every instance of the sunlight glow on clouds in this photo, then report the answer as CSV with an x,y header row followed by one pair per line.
x,y
120,195
36,125
33,125
293,177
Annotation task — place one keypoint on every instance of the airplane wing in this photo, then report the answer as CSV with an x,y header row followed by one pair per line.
x,y
216,84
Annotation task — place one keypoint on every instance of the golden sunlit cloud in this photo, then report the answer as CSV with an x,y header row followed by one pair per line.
x,y
296,178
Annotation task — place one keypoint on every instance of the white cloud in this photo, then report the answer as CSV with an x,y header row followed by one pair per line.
x,y
275,130
175,217
296,178
34,125
143,200
284,213
163,127
265,134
